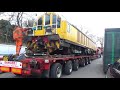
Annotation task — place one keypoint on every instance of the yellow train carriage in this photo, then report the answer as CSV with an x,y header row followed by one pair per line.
x,y
75,35
64,29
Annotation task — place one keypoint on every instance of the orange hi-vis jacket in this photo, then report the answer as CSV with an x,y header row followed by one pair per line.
x,y
18,33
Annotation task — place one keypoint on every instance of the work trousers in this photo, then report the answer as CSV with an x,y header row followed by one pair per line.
x,y
18,45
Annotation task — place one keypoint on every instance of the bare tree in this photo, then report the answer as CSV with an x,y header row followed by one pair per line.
x,y
16,17
91,36
19,18
87,32
11,16
100,40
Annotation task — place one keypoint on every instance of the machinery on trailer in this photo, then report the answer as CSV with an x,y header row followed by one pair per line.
x,y
53,46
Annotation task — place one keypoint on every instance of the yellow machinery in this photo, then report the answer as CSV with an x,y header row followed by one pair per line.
x,y
70,36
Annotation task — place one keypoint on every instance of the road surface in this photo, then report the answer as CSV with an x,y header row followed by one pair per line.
x,y
93,70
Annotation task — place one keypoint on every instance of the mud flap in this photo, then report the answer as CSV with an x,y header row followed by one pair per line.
x,y
45,74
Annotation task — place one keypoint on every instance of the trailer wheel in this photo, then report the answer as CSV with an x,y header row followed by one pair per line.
x,y
82,63
68,68
89,61
86,61
75,65
56,70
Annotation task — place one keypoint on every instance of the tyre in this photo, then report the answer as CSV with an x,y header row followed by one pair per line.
x,y
56,70
86,61
89,61
82,63
75,65
68,68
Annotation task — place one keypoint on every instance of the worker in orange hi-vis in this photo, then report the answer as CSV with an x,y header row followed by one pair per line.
x,y
18,36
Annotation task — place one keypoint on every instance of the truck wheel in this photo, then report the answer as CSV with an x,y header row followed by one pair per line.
x,y
56,70
68,68
82,63
75,65
86,61
89,61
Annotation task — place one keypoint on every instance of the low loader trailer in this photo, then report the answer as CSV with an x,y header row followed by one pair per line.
x,y
47,66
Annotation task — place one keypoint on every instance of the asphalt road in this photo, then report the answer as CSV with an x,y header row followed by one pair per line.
x,y
93,70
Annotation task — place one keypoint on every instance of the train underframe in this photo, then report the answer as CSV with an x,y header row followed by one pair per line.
x,y
52,44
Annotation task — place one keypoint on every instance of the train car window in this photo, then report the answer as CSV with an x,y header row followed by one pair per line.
x,y
47,19
53,26
40,21
54,21
68,28
58,22
81,38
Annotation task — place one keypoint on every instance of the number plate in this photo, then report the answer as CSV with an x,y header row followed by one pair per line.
x,y
11,64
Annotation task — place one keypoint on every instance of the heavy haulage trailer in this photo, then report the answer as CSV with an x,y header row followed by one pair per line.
x,y
53,46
